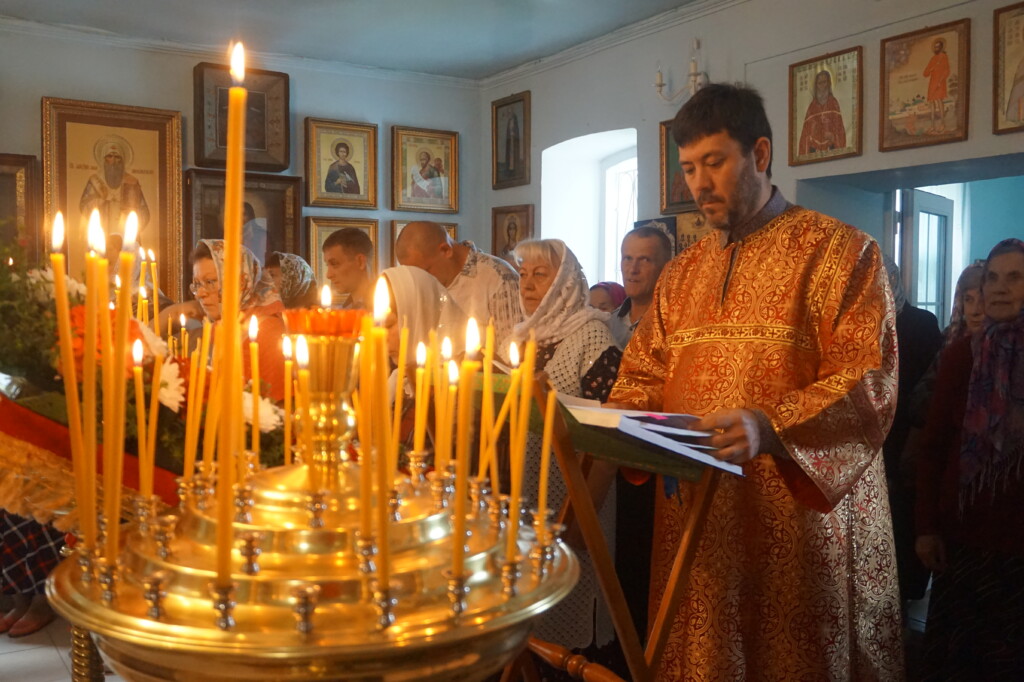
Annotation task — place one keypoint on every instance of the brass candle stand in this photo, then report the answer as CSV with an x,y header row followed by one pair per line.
x,y
306,601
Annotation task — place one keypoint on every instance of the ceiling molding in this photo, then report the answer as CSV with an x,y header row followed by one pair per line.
x,y
280,62
650,26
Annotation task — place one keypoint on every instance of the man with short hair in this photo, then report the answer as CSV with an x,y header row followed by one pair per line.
x,y
645,251
485,287
778,330
348,253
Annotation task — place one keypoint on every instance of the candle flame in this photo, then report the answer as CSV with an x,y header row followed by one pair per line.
x,y
182,319
97,240
57,236
286,347
238,63
254,329
472,336
381,300
117,281
325,296
453,372
10,261
446,349
301,351
143,294
421,354
152,256
111,305
513,354
142,255
137,354
131,231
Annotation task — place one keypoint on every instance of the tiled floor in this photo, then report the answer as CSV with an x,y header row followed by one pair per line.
x,y
40,657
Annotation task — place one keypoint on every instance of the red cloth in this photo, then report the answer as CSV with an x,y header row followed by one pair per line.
x,y
44,433
992,522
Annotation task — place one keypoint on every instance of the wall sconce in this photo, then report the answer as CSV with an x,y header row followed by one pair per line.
x,y
696,79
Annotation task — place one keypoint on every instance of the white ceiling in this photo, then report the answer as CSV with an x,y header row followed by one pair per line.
x,y
460,38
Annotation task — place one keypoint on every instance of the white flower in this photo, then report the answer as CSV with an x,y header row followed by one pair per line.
x,y
42,282
271,415
153,343
172,386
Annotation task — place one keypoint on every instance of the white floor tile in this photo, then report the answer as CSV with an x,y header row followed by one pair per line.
x,y
37,640
43,665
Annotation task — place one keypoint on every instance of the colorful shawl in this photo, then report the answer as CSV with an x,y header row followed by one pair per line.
x,y
992,447
296,279
257,287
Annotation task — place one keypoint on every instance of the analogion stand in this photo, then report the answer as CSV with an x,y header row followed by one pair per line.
x,y
643,663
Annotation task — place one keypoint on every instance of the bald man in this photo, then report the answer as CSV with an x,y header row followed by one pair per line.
x,y
484,286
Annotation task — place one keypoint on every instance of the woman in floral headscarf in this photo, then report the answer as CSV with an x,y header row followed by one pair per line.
x,y
258,298
294,280
970,529
579,355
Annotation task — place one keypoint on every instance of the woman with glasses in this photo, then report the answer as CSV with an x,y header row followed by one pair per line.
x,y
259,298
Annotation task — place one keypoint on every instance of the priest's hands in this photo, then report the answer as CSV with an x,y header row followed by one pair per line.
x,y
740,435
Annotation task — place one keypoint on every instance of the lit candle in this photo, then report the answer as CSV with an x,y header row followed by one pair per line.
x,y
303,399
440,389
156,293
230,334
142,268
183,333
365,477
286,351
117,286
381,430
83,484
420,424
142,309
545,464
154,414
487,402
140,414
193,398
515,472
467,375
396,425
113,449
213,405
448,425
95,307
254,371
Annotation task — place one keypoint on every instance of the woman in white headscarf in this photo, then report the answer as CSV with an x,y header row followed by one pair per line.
x,y
579,355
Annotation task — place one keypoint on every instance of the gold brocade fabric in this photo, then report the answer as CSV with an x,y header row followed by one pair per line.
x,y
795,577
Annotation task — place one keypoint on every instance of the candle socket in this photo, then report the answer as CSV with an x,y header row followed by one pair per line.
x,y
244,502
418,468
251,465
146,512
385,605
87,563
366,549
440,489
166,526
184,491
458,590
394,506
497,510
154,594
202,487
510,577
306,597
224,605
316,505
250,551
107,572
479,496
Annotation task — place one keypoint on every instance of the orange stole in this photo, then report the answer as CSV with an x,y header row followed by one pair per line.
x,y
795,576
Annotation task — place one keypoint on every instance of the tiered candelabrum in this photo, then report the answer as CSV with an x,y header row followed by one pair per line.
x,y
305,600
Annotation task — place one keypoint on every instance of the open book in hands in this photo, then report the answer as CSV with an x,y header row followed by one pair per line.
x,y
666,431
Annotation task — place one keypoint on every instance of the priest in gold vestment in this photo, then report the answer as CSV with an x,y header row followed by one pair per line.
x,y
778,329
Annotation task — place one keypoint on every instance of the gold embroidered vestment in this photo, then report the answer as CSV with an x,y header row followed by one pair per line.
x,y
795,576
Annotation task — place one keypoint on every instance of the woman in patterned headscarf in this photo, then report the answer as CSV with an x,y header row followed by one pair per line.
x,y
258,298
579,355
294,280
970,529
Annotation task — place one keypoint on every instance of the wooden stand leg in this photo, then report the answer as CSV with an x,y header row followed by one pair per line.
x,y
678,579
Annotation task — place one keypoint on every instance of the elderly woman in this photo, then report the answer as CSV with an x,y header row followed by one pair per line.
x,y
258,298
576,350
293,279
970,485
